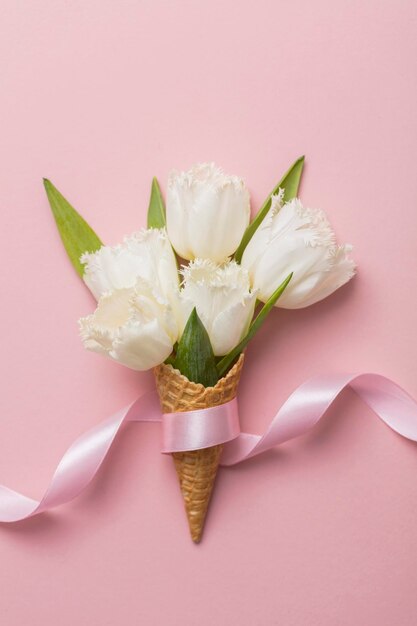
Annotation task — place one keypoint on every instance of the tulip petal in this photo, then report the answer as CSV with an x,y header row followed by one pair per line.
x,y
342,270
231,325
141,346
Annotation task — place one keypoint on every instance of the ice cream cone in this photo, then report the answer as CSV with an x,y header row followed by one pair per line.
x,y
196,469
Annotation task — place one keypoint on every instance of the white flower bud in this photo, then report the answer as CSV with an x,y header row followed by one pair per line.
x,y
135,327
223,299
294,239
146,254
207,212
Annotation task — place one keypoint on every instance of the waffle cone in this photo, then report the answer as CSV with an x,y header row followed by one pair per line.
x,y
196,469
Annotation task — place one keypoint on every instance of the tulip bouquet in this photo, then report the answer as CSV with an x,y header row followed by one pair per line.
x,y
185,295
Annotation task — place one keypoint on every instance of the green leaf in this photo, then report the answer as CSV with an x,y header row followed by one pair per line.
x,y
156,209
227,361
77,236
290,183
195,358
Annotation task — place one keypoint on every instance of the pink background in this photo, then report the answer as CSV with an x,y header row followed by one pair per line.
x,y
100,96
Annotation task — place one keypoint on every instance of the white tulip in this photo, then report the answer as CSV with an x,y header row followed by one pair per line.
x,y
207,212
292,238
135,327
146,254
223,299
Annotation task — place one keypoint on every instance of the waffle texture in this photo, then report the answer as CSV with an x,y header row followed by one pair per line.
x,y
196,469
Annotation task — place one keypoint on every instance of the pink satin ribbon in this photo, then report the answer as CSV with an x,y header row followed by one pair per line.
x,y
193,430
198,429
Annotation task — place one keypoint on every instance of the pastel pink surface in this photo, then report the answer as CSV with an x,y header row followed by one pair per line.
x,y
101,96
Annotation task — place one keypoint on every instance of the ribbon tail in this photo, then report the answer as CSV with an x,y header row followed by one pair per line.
x,y
307,405
80,463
